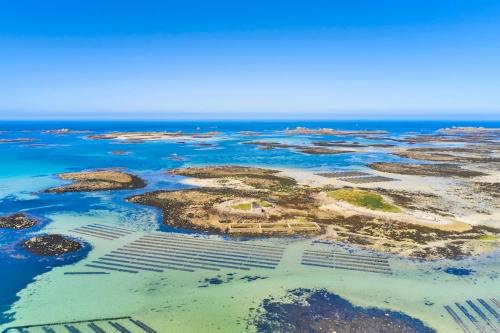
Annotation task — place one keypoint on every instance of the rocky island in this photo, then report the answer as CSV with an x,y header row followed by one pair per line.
x,y
98,180
239,201
51,245
61,131
152,136
450,154
329,131
316,149
17,221
234,200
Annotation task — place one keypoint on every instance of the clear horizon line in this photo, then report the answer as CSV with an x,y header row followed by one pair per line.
x,y
422,118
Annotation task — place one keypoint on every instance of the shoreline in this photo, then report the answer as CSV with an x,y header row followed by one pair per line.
x,y
433,227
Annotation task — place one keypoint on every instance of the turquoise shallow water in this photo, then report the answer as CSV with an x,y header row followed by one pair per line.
x,y
34,290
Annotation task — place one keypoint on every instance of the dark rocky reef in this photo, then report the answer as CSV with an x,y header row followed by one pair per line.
x,y
319,311
338,144
17,221
51,245
120,152
99,180
60,131
329,131
320,148
430,154
17,140
440,170
267,145
322,151
492,189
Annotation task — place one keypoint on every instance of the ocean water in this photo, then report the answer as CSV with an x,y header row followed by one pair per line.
x,y
35,290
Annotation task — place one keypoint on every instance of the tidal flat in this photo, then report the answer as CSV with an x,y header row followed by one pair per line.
x,y
261,227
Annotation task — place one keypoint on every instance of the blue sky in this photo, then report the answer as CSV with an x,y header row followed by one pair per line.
x,y
281,58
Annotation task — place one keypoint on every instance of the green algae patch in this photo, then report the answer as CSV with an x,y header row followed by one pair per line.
x,y
242,206
488,237
365,199
247,206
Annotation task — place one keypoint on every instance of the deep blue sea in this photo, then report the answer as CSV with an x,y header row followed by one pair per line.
x,y
27,168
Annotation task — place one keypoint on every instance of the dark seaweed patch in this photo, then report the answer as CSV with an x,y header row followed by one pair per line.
x,y
316,311
458,271
219,279
249,278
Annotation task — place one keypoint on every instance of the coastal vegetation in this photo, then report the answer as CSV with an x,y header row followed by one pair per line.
x,y
365,199
228,211
250,205
404,222
247,206
226,197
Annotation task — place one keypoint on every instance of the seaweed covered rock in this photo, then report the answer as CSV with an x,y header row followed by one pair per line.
x,y
440,170
51,245
318,311
17,221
